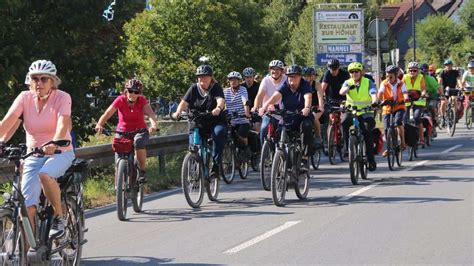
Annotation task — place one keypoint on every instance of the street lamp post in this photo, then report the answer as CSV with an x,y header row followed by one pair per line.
x,y
413,28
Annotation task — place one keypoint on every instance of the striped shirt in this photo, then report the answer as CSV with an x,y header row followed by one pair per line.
x,y
235,103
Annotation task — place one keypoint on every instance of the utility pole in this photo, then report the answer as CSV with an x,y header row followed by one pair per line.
x,y
413,28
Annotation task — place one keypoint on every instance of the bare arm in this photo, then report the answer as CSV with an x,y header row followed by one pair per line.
x,y
7,124
320,96
275,98
64,123
324,86
258,99
9,134
344,90
151,115
104,118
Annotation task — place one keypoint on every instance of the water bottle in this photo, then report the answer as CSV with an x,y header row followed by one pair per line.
x,y
196,137
355,122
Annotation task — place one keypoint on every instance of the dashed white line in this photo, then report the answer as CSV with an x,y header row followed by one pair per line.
x,y
357,192
416,165
451,149
261,237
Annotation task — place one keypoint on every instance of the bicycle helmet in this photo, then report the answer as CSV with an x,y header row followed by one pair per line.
x,y
392,69
276,63
470,65
234,75
413,65
424,68
134,84
204,70
333,64
42,67
249,72
294,69
309,71
448,62
355,66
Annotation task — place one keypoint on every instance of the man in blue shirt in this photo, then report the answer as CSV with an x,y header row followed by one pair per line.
x,y
295,95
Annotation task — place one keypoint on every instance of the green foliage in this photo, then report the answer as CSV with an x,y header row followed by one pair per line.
x,y
437,36
163,46
74,36
466,14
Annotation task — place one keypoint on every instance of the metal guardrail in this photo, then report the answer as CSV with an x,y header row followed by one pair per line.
x,y
104,155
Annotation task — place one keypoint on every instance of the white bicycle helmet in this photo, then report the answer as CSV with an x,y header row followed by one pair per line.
x,y
234,75
413,65
249,72
42,67
276,63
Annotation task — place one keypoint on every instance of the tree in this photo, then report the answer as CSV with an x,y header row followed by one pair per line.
x,y
163,46
437,36
74,36
466,14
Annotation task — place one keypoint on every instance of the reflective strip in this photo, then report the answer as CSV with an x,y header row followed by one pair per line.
x,y
358,103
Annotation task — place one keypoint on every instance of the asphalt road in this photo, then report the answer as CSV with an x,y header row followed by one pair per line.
x,y
420,214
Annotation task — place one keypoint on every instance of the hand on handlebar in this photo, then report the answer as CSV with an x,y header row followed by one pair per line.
x,y
99,129
216,111
306,111
49,149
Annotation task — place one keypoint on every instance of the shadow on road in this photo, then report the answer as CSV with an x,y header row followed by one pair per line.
x,y
118,261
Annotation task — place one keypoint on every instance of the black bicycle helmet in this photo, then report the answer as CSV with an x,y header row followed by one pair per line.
x,y
391,69
424,67
294,69
333,64
204,70
309,71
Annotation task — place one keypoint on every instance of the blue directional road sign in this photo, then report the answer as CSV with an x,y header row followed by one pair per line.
x,y
344,59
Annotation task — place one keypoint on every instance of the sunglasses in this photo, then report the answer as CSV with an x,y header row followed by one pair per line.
x,y
354,71
413,70
43,79
133,91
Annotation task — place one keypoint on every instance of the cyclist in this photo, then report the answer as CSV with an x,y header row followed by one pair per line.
x,y
236,101
415,84
46,114
449,79
295,95
331,84
434,91
268,86
252,89
468,83
207,95
432,70
393,89
360,92
309,74
132,107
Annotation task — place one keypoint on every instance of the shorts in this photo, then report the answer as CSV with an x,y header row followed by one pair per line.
x,y
451,92
54,166
140,140
399,114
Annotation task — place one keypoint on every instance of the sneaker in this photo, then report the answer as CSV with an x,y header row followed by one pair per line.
x,y
142,178
214,171
372,166
385,153
304,165
421,142
57,227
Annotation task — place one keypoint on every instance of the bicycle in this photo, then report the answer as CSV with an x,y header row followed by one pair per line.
x,y
18,233
452,111
268,152
126,173
394,148
357,149
335,142
316,156
254,138
286,168
469,108
196,165
233,157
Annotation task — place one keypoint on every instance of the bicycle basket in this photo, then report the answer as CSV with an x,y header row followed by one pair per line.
x,y
122,145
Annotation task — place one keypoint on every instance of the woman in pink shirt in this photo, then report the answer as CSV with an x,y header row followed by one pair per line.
x,y
132,107
46,114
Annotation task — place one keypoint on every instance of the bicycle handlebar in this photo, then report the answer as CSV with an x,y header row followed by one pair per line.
x,y
19,152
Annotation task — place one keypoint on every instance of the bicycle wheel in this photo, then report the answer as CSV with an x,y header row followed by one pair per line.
x,y
468,117
266,160
362,158
278,178
302,185
137,201
255,161
315,159
353,161
228,163
332,147
391,144
212,188
411,153
244,170
122,187
399,153
72,253
191,180
13,240
451,123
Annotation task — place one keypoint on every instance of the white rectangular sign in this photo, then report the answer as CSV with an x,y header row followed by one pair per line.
x,y
338,15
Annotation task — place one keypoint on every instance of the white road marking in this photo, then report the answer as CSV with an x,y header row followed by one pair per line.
x,y
416,165
357,192
261,237
451,149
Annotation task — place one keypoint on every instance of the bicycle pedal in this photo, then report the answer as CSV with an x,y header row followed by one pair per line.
x,y
83,242
85,230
